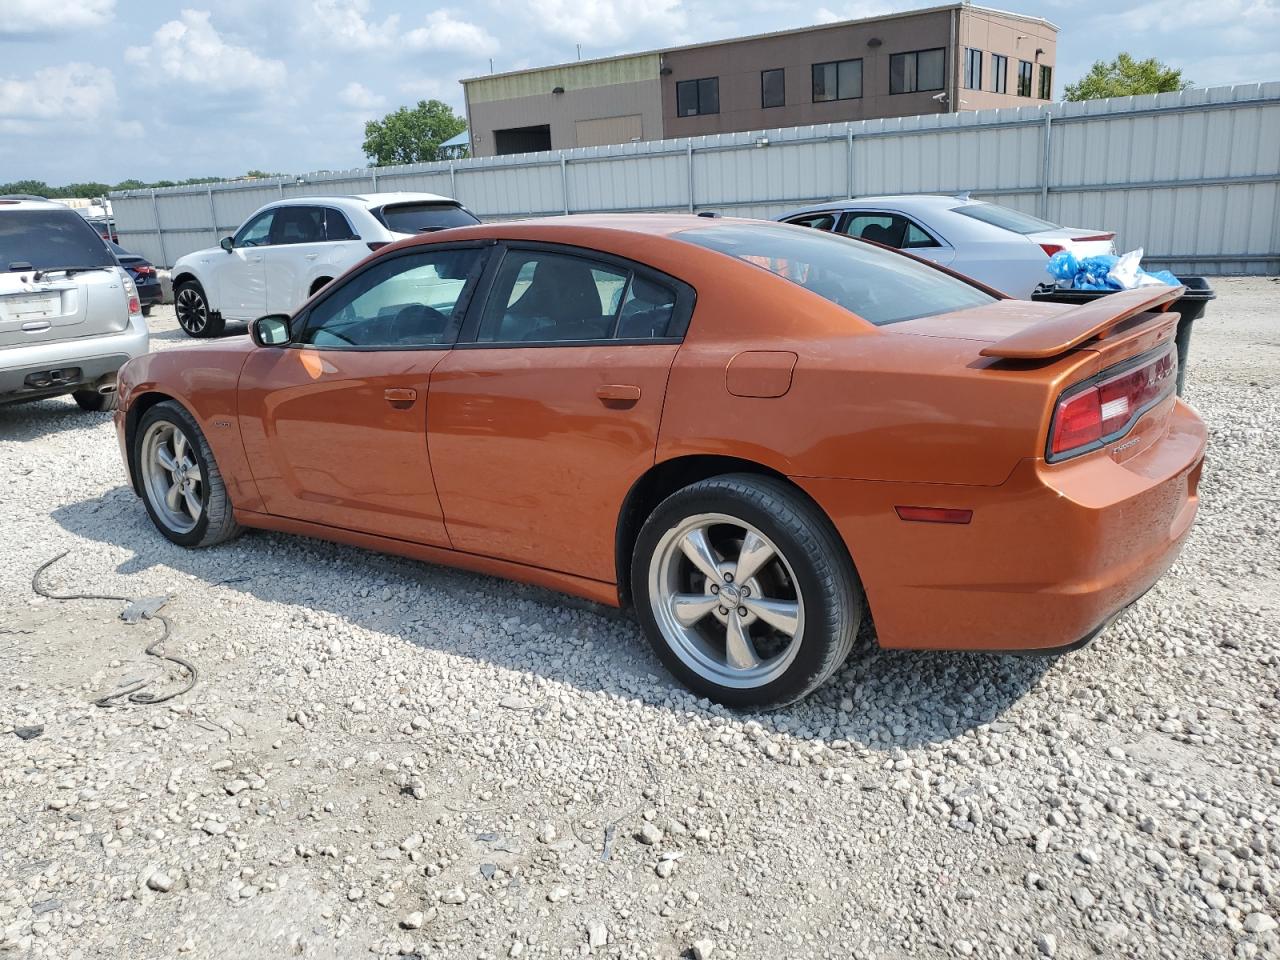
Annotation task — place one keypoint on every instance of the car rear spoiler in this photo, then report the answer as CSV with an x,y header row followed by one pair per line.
x,y
1089,321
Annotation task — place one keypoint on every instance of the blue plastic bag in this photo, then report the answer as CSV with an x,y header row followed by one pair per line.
x,y
1104,272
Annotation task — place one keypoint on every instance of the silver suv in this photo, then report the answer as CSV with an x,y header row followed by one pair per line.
x,y
69,313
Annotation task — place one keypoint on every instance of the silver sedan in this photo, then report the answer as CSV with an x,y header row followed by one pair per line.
x,y
996,245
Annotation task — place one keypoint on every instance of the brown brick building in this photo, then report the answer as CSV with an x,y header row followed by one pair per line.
x,y
938,60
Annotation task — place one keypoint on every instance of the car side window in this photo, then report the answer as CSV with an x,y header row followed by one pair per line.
x,y
257,232
540,297
298,225
336,226
890,229
816,221
413,300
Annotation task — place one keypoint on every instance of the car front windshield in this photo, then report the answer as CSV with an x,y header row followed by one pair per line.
x,y
876,284
1006,219
48,239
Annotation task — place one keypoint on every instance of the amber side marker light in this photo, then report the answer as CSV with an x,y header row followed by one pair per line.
x,y
934,514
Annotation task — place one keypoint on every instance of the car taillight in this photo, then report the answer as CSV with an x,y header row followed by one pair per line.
x,y
1051,248
144,271
1105,408
131,293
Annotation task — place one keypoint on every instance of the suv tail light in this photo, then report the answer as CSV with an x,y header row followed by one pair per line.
x,y
131,293
1104,409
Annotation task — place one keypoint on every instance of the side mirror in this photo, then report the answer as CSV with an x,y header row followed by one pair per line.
x,y
271,330
226,244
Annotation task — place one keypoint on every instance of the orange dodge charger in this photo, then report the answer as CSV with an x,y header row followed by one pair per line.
x,y
755,434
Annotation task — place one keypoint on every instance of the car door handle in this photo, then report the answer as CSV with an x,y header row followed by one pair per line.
x,y
400,396
312,256
623,394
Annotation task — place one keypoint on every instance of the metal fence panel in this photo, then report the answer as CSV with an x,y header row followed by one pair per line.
x,y
1192,177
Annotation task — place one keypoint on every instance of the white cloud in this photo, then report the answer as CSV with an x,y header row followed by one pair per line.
x,y
605,22
35,17
360,97
70,94
191,51
345,24
442,32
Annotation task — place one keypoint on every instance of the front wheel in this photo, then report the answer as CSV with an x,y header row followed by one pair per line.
x,y
191,307
181,484
746,591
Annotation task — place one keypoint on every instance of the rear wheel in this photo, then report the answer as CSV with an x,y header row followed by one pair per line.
x,y
95,402
146,310
746,591
191,307
181,485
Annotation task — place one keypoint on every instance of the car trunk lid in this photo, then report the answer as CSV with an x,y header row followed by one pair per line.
x,y
59,307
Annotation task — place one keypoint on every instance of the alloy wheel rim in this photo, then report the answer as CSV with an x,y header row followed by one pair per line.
x,y
193,315
726,600
173,479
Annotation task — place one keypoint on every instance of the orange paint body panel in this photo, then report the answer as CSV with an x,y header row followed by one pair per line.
x,y
519,460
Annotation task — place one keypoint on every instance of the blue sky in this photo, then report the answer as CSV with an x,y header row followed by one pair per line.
x,y
109,89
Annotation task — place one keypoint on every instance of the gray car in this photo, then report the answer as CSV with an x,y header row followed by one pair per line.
x,y
70,316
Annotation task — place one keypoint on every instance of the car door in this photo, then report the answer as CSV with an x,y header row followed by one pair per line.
x,y
241,274
898,231
547,410
297,245
335,423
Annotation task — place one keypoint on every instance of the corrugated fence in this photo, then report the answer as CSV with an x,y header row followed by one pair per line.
x,y
1192,177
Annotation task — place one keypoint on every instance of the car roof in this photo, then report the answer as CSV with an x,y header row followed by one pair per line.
x,y
24,201
554,227
402,196
901,201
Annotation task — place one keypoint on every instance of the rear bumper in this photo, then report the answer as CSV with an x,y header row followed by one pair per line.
x,y
95,358
1049,558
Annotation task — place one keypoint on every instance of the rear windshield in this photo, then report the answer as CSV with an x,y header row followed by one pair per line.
x,y
50,238
1005,218
424,217
878,285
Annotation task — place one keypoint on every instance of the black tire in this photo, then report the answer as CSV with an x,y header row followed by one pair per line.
x,y
146,309
813,553
95,402
191,307
217,520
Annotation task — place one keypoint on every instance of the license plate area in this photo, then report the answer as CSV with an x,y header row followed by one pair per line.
x,y
41,306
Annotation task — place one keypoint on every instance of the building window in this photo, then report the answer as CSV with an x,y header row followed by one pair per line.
x,y
972,69
838,80
1024,78
696,97
1046,82
919,70
999,73
773,91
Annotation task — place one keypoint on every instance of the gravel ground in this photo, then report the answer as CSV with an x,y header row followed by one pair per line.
x,y
390,758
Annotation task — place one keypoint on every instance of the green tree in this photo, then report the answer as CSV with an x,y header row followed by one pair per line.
x,y
411,135
1126,77
36,188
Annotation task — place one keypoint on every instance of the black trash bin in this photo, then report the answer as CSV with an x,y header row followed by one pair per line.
x,y
1190,308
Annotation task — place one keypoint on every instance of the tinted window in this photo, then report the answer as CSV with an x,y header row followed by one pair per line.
x,y
406,301
890,229
816,221
540,297
1005,218
1024,78
50,238
841,80
878,285
773,88
972,69
918,70
336,226
1046,82
424,217
695,97
298,225
999,73
257,232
